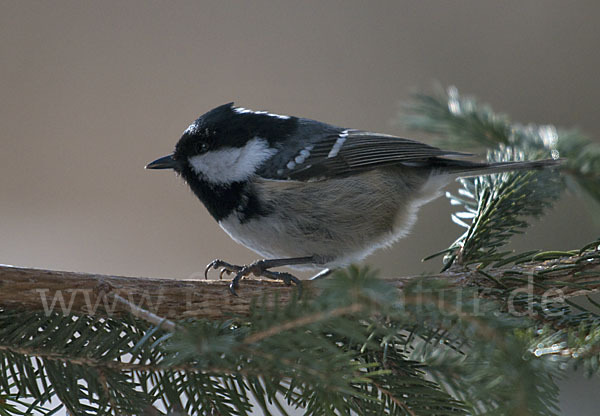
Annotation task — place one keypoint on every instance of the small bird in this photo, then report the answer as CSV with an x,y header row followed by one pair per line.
x,y
307,194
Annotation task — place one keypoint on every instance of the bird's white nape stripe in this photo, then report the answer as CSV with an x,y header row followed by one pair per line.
x,y
192,129
242,110
232,164
338,144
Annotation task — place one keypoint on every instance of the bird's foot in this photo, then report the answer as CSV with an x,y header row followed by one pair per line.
x,y
258,268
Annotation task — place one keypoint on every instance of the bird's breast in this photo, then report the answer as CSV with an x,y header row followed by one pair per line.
x,y
341,219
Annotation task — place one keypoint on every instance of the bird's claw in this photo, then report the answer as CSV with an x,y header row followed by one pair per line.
x,y
225,268
224,271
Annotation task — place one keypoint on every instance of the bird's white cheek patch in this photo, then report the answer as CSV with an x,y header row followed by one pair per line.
x,y
232,164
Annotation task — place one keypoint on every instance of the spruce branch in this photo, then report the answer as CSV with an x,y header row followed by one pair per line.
x,y
498,206
461,122
344,347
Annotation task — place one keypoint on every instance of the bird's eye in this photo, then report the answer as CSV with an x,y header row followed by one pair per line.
x,y
201,147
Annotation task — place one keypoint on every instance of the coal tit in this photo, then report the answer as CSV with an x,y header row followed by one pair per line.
x,y
303,193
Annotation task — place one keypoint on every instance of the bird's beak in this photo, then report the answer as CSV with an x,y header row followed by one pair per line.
x,y
165,162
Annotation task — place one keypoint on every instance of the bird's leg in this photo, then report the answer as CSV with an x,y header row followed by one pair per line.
x,y
261,268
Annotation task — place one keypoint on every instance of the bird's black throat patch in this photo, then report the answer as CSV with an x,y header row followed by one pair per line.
x,y
222,200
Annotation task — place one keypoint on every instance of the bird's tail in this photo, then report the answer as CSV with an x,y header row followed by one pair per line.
x,y
464,168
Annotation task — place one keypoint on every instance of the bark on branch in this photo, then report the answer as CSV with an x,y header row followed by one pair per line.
x,y
71,292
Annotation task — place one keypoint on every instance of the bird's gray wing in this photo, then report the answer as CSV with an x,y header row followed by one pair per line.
x,y
351,151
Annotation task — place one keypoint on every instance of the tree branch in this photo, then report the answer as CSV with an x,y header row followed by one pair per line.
x,y
72,292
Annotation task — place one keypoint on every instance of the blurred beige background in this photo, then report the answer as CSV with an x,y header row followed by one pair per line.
x,y
91,92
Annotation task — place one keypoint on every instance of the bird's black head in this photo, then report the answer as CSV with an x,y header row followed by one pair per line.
x,y
210,132
228,130
223,148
